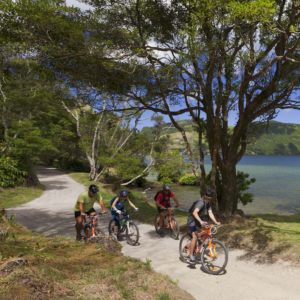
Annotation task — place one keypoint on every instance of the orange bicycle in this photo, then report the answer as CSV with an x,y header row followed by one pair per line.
x,y
213,254
169,222
91,228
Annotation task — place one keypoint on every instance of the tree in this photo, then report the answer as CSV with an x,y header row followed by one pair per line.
x,y
208,58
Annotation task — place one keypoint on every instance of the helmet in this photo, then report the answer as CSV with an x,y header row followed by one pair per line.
x,y
124,193
166,187
93,188
209,192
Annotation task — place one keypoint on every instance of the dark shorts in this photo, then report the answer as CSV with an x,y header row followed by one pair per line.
x,y
161,210
78,213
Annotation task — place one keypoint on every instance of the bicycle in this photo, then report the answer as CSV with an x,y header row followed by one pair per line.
x,y
126,224
91,229
169,222
213,253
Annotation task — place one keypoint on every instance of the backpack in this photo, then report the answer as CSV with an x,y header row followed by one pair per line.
x,y
161,192
191,210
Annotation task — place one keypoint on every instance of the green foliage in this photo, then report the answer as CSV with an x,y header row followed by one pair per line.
x,y
188,179
170,165
10,174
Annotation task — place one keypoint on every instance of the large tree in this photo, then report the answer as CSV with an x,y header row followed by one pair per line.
x,y
208,58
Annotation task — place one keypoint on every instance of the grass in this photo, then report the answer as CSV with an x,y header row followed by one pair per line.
x,y
60,268
11,197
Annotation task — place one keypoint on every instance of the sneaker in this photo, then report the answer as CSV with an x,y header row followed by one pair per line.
x,y
114,236
191,260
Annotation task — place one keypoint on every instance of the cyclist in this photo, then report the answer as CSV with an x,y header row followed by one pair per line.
x,y
84,206
117,207
162,199
198,209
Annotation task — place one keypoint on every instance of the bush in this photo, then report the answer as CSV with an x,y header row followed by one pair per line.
x,y
188,179
165,180
10,174
72,165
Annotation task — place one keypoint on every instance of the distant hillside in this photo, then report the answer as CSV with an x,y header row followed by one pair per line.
x,y
278,139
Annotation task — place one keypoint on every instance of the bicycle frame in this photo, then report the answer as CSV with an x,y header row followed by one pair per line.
x,y
168,213
93,223
206,234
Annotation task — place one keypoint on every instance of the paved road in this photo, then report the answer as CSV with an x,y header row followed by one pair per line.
x,y
52,214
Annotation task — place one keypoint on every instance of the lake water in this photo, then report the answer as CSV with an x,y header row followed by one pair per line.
x,y
277,186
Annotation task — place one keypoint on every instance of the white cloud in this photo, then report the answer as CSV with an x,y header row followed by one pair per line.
x,y
78,4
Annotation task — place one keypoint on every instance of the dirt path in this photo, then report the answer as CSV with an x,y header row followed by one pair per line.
x,y
52,214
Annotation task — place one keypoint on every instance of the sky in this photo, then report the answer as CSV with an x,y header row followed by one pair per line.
x,y
285,116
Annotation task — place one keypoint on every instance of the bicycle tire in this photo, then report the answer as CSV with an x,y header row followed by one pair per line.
x,y
111,226
184,249
132,241
174,228
211,265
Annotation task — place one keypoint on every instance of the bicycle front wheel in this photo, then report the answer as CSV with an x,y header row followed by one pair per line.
x,y
174,228
184,246
132,233
111,226
214,260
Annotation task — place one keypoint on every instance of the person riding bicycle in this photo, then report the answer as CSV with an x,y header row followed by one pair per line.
x,y
198,209
117,207
162,199
84,206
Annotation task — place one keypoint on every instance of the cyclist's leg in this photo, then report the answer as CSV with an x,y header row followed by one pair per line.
x,y
117,219
161,217
78,225
194,232
91,212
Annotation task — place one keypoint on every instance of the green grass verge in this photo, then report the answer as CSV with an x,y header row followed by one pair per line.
x,y
60,268
11,197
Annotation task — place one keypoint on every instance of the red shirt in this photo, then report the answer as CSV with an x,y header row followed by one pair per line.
x,y
160,198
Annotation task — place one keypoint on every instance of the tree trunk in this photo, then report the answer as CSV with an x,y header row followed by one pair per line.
x,y
229,188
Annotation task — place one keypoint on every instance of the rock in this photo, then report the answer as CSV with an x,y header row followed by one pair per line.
x,y
108,242
12,265
240,212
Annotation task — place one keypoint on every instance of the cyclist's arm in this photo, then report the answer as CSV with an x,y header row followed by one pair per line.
x,y
195,214
114,203
131,204
211,215
80,206
104,211
176,200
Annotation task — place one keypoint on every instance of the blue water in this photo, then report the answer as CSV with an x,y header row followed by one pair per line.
x,y
277,186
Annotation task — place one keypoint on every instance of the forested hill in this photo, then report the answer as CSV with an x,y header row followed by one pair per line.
x,y
277,139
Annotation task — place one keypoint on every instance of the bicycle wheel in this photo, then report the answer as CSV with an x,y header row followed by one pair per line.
x,y
156,223
111,226
214,260
132,234
184,246
86,233
174,228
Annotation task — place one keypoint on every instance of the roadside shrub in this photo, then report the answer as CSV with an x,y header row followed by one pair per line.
x,y
10,174
188,179
72,165
165,180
